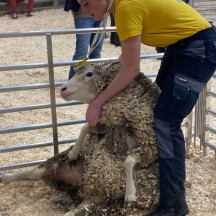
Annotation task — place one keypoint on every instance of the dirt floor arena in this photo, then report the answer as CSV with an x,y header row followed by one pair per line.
x,y
35,198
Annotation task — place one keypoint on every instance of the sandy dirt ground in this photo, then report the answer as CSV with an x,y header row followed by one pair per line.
x,y
35,198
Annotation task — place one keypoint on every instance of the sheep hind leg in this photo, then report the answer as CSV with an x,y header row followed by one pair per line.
x,y
130,195
34,174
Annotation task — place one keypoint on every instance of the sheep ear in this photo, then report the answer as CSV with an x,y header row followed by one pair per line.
x,y
99,66
78,69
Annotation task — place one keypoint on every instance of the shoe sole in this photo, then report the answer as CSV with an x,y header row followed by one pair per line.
x,y
186,212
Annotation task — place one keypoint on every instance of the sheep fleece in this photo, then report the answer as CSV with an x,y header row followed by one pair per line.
x,y
128,115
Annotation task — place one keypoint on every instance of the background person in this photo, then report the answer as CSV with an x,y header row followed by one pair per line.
x,y
114,38
187,65
13,5
83,41
186,1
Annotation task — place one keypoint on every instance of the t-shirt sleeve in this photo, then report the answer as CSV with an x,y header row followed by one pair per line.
x,y
128,23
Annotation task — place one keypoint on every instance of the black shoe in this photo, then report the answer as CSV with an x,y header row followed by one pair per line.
x,y
162,212
181,211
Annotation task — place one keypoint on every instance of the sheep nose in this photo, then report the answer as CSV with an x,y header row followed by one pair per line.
x,y
63,88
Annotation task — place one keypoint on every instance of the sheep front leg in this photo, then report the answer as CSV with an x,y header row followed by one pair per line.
x,y
73,154
130,195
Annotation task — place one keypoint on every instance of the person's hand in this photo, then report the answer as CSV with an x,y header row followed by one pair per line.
x,y
93,113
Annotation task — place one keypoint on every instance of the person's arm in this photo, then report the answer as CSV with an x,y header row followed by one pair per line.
x,y
130,60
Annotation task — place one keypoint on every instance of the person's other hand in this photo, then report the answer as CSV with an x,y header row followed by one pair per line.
x,y
93,113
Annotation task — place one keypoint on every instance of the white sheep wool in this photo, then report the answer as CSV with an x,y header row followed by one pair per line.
x,y
128,118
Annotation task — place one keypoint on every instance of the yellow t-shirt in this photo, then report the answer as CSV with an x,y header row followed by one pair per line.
x,y
159,22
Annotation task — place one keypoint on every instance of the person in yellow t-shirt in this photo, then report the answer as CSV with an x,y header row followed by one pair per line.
x,y
187,65
162,49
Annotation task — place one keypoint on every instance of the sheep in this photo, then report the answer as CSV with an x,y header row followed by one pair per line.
x,y
128,115
126,138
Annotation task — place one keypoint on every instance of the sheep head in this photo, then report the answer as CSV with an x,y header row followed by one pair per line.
x,y
80,87
89,81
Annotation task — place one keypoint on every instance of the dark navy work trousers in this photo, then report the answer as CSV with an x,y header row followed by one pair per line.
x,y
185,69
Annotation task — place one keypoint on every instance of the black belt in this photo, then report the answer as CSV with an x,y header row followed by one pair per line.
x,y
203,34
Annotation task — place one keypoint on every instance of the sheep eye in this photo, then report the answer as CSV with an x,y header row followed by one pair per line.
x,y
89,74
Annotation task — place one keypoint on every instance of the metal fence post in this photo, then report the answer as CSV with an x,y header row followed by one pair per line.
x,y
206,120
52,92
203,121
188,138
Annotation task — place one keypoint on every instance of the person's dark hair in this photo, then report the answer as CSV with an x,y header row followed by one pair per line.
x,y
72,5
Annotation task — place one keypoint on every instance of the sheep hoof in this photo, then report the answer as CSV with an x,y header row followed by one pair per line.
x,y
130,204
72,156
74,162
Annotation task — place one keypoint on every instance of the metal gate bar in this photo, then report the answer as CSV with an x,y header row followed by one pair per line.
x,y
51,85
53,105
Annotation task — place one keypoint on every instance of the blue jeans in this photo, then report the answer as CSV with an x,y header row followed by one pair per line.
x,y
185,69
84,41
